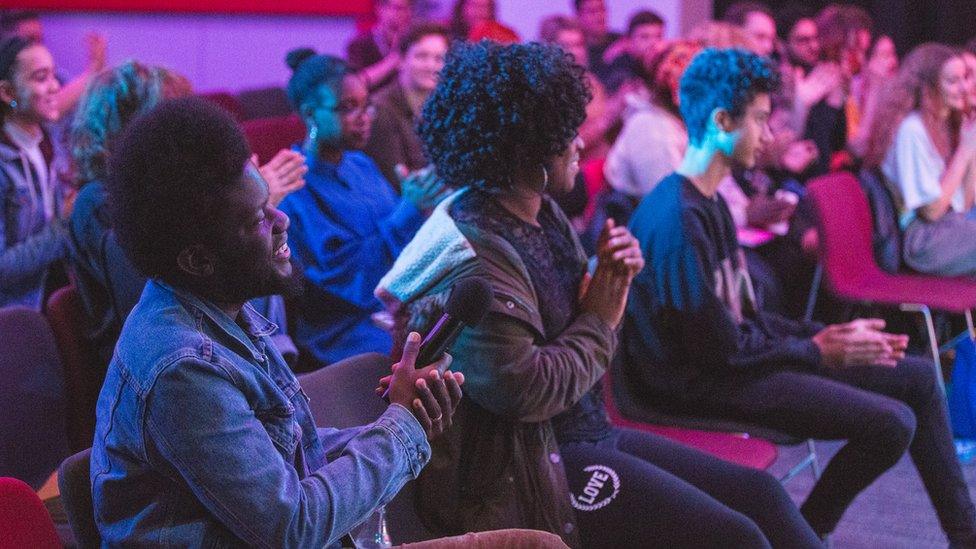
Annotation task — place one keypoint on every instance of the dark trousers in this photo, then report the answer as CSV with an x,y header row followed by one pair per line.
x,y
880,411
635,489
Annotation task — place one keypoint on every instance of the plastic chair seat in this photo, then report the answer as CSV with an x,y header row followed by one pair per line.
x,y
953,295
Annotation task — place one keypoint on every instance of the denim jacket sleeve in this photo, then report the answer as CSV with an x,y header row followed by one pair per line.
x,y
232,465
28,259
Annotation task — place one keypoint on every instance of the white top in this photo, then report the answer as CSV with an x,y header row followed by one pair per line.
x,y
915,167
649,148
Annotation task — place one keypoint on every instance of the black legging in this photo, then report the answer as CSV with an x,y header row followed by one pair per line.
x,y
880,411
635,489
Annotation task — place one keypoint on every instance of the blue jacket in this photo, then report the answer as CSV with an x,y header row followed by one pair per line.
x,y
29,244
205,438
347,228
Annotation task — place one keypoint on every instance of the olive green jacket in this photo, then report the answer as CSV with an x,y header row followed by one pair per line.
x,y
499,466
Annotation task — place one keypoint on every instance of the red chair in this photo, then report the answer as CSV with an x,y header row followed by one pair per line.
x,y
736,448
226,101
264,103
24,522
267,136
83,371
852,273
595,181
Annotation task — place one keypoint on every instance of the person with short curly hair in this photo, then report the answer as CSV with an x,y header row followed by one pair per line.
x,y
533,447
108,284
204,436
696,342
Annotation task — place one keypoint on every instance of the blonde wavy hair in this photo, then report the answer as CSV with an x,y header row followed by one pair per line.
x,y
914,88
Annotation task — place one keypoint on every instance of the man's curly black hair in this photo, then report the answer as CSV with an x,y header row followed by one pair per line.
x,y
726,79
501,109
168,179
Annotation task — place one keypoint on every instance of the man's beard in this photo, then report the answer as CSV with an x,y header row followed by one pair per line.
x,y
241,279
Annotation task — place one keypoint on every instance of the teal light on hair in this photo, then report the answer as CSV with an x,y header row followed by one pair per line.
x,y
112,99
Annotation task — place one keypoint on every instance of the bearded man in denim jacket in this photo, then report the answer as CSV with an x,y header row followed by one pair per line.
x,y
204,436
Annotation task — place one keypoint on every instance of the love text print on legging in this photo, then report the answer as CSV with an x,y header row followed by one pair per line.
x,y
601,488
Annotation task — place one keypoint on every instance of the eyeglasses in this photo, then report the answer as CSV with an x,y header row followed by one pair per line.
x,y
346,109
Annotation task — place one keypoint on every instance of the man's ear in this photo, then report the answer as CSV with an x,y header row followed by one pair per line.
x,y
723,120
722,131
196,261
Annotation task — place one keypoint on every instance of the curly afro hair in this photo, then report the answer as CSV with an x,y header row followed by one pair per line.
x,y
726,79
168,179
500,110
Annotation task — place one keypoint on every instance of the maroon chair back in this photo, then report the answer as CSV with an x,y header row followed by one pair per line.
x,y
23,519
33,439
845,230
264,102
83,371
226,101
267,136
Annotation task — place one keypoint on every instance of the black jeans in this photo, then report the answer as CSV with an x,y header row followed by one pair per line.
x,y
635,489
880,411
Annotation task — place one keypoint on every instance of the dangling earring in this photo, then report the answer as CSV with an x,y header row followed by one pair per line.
x,y
545,179
13,103
313,132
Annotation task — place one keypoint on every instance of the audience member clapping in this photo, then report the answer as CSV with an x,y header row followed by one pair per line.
x,y
533,427
347,224
393,139
376,53
108,283
925,147
32,204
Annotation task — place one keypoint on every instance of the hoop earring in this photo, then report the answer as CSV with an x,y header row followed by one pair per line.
x,y
13,103
545,179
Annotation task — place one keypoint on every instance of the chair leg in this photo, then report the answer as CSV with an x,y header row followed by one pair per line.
x,y
814,462
933,342
810,460
814,292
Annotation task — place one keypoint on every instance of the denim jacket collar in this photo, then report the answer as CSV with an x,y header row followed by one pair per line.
x,y
252,327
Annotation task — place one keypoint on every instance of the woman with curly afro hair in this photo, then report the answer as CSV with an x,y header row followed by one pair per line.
x,y
532,447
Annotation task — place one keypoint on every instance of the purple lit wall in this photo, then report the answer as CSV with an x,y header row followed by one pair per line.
x,y
234,52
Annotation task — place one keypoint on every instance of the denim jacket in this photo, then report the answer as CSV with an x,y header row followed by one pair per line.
x,y
29,243
204,438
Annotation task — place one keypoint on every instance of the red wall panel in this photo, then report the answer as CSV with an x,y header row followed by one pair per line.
x,y
298,7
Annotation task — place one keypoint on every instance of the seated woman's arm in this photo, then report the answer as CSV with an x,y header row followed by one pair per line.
x,y
507,373
28,259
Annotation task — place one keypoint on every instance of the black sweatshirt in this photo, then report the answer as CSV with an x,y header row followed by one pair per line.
x,y
691,316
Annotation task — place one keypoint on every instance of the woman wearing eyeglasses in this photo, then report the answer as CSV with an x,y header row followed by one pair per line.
x,y
347,224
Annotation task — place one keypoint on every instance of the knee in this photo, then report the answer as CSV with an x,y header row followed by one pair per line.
x,y
767,489
923,385
734,529
896,427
